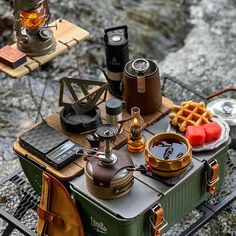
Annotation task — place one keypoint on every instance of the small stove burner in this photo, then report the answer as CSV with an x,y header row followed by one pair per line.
x,y
107,131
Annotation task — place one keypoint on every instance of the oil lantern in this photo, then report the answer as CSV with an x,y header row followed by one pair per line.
x,y
34,37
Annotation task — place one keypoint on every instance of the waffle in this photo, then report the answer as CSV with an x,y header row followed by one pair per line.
x,y
189,113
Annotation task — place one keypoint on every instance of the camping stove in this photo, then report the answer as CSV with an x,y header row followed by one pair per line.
x,y
106,172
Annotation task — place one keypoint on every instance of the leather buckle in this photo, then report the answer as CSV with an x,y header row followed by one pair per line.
x,y
49,216
212,176
159,222
211,183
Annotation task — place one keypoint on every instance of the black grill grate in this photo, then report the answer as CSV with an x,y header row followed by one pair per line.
x,y
18,199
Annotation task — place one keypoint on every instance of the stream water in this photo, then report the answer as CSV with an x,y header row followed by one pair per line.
x,y
192,40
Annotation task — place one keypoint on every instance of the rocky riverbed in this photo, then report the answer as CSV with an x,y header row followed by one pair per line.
x,y
193,41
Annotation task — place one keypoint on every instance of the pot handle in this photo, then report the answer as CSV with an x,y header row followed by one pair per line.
x,y
113,91
217,93
141,87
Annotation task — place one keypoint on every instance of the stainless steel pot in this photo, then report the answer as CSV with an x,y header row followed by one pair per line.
x,y
226,109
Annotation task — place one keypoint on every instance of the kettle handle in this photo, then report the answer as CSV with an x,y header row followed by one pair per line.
x,y
220,92
109,81
121,27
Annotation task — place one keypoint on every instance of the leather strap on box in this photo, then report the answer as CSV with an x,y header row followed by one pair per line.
x,y
49,217
158,223
212,176
158,220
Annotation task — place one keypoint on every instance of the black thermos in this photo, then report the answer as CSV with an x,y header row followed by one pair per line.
x,y
117,55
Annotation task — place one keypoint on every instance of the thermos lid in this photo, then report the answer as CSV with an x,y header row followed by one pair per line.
x,y
225,108
116,40
116,36
114,107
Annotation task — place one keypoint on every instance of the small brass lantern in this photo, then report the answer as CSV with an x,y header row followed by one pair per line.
x,y
34,37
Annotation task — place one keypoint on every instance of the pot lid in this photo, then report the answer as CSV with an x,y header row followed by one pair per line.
x,y
141,66
225,108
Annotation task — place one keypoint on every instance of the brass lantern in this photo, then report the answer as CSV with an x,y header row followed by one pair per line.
x,y
34,37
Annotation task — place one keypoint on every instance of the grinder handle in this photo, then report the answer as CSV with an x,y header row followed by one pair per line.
x,y
121,27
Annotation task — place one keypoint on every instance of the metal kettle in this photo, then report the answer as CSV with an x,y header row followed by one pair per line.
x,y
141,85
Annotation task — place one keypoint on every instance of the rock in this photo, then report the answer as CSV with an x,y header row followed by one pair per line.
x,y
209,50
6,23
3,199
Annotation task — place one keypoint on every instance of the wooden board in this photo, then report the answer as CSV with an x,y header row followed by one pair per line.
x,y
76,168
54,121
67,35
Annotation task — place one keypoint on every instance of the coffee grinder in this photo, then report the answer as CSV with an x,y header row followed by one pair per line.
x,y
117,55
106,172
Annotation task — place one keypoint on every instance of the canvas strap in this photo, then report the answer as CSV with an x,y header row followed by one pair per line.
x,y
212,176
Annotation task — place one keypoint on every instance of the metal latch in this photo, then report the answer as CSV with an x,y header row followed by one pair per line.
x,y
212,176
158,222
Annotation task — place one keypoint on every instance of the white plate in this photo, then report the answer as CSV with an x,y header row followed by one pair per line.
x,y
212,145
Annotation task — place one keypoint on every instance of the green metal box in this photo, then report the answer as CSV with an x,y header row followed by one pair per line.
x,y
129,215
119,216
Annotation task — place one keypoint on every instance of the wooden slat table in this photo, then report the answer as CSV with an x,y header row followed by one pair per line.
x,y
76,168
67,35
